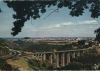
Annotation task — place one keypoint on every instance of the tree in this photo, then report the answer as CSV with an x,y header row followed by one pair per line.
x,y
81,42
97,31
0,10
32,9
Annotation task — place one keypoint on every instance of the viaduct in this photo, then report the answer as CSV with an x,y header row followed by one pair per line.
x,y
59,58
56,58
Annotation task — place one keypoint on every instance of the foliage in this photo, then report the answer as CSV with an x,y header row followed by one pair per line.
x,y
97,31
86,62
4,65
37,65
72,66
81,42
3,42
0,10
89,59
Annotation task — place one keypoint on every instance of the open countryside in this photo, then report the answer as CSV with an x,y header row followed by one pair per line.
x,y
38,35
37,54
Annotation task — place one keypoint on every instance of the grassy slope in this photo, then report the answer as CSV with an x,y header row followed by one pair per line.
x,y
21,63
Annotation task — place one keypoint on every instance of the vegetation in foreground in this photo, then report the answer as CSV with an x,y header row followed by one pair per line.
x,y
5,66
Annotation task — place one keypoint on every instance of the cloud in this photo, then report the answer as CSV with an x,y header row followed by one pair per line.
x,y
88,22
73,23
65,24
60,25
68,31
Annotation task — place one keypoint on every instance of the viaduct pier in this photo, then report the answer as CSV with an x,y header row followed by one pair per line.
x,y
59,58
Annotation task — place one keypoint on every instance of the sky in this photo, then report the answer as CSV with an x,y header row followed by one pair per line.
x,y
58,24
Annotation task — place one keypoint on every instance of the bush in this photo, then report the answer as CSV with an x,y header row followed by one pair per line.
x,y
4,65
